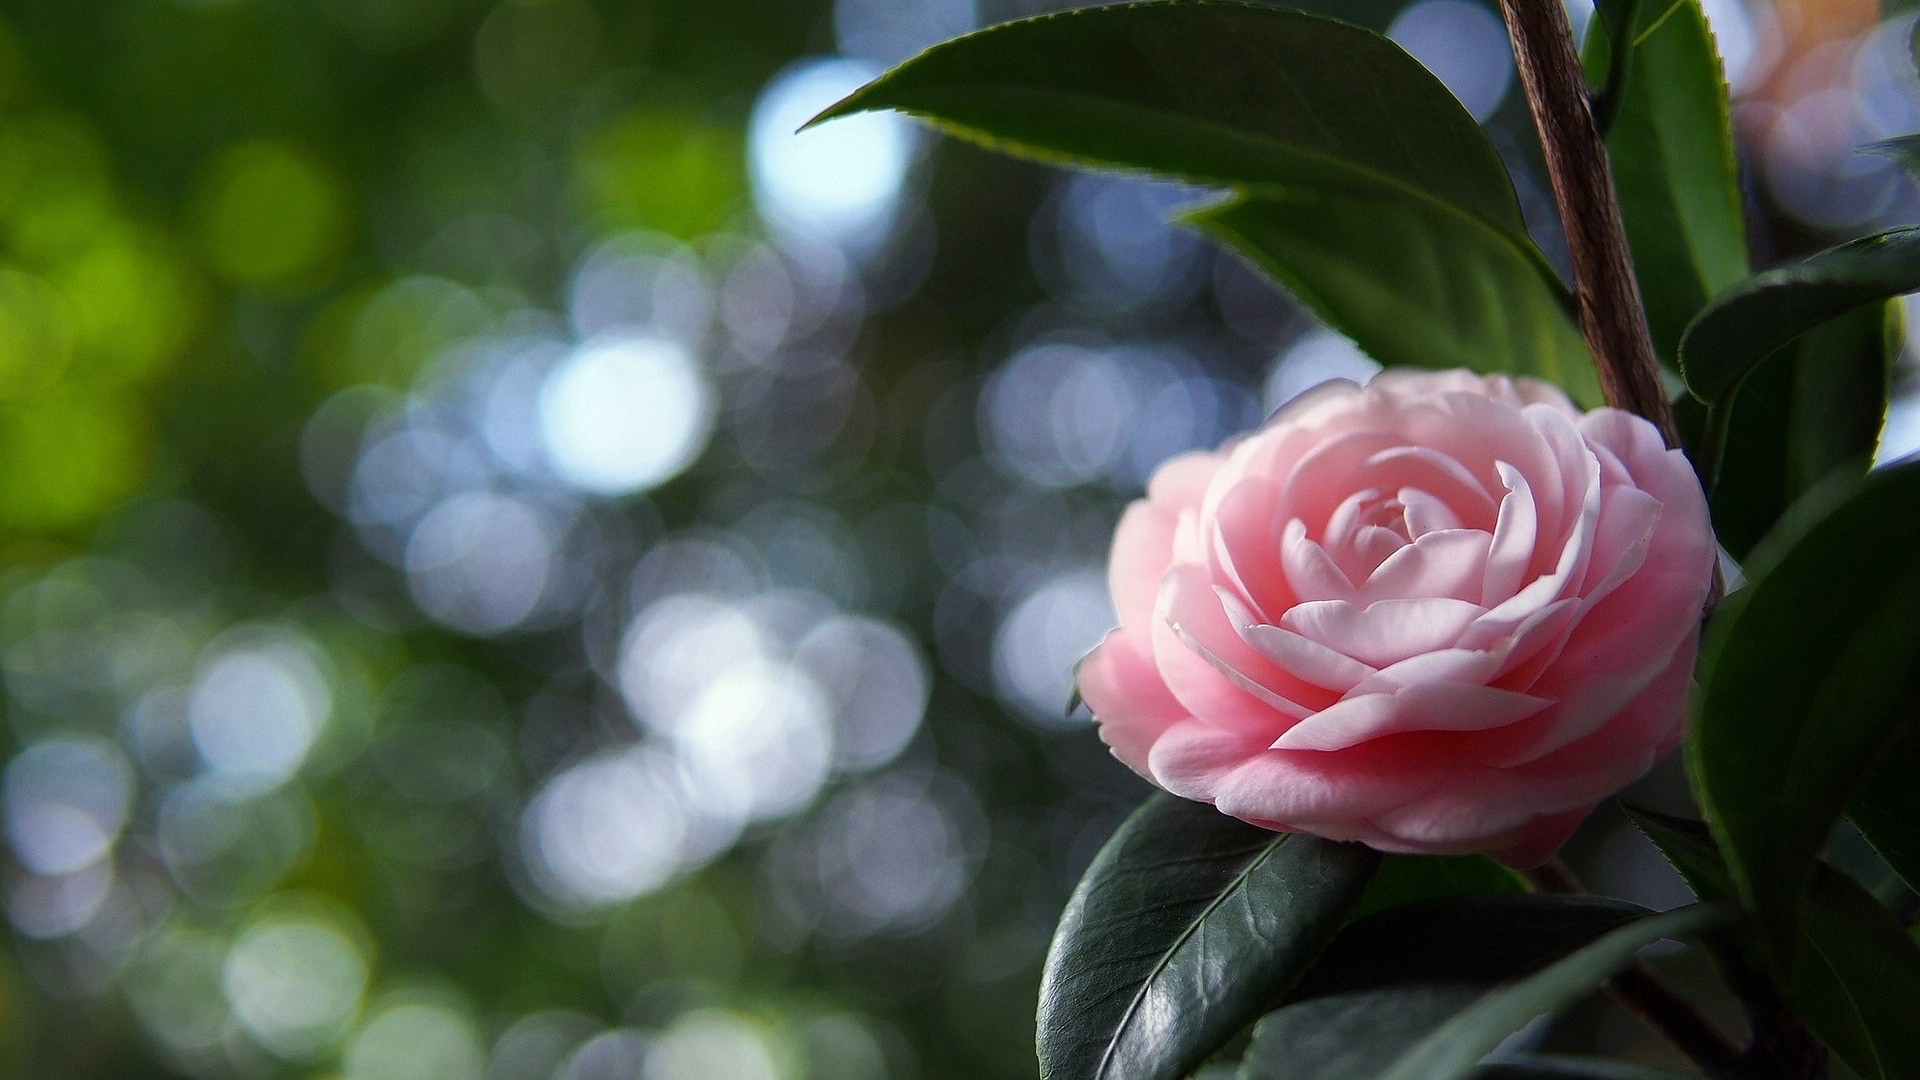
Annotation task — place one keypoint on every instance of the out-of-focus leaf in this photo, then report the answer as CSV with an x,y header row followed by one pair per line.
x,y
1454,1048
1816,407
1616,24
1404,879
1671,146
1428,989
1904,149
1557,1067
1413,283
1858,981
1857,974
1745,324
1886,807
1808,674
1210,91
1185,928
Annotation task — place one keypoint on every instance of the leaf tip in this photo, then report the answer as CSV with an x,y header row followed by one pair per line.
x,y
846,106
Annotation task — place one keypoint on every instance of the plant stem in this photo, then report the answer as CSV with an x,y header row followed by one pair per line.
x,y
1612,317
1640,992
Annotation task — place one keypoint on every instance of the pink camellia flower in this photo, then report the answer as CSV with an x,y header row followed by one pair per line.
x,y
1440,613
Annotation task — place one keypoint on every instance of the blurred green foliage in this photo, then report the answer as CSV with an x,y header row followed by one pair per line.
x,y
357,720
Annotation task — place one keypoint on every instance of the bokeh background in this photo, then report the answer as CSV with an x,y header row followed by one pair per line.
x,y
516,565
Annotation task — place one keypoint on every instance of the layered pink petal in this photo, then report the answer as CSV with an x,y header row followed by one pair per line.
x,y
1443,613
1123,690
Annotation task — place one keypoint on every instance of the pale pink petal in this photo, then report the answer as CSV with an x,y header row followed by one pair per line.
x,y
1180,483
1596,679
1536,841
1284,786
1189,538
1193,758
1449,563
1536,643
1647,729
1437,474
1439,666
1307,659
1685,536
1458,810
1348,518
1569,568
1240,679
1427,513
1207,666
1514,539
1131,704
1477,433
1421,707
1142,551
1384,632
1324,477
1371,546
1310,572
1628,518
1569,475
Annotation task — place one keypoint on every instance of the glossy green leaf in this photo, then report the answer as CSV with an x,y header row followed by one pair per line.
x,y
1671,146
1886,806
1405,879
1186,927
1857,977
1745,324
1807,675
1211,91
1556,1067
1391,980
1413,283
1815,407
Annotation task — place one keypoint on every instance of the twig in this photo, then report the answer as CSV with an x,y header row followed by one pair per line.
x,y
1612,316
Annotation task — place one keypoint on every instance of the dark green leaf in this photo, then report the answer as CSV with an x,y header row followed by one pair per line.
x,y
1413,283
1403,879
1886,807
1857,977
1608,59
1745,324
1858,982
1904,149
1689,846
1815,407
1570,1068
1808,674
1216,92
1390,980
1186,927
1455,1047
1671,145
